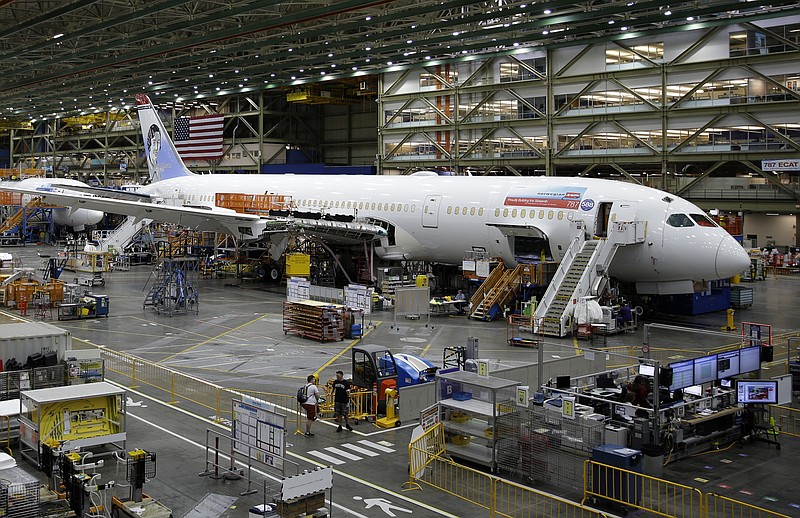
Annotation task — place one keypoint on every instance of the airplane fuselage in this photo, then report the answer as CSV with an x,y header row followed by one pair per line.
x,y
439,218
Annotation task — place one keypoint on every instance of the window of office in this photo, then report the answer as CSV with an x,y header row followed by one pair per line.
x,y
617,56
523,70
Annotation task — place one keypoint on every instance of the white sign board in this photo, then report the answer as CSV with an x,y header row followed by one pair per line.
x,y
568,407
297,289
321,479
786,164
357,296
258,433
482,268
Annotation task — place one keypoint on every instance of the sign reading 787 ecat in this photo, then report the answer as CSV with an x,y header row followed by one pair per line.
x,y
786,164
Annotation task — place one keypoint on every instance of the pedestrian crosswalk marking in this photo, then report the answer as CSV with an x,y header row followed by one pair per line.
x,y
342,453
327,458
376,446
359,449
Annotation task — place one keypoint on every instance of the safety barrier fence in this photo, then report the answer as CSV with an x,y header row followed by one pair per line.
x,y
787,419
175,387
429,465
362,404
724,507
630,489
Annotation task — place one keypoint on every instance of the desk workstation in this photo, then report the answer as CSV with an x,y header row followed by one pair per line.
x,y
682,408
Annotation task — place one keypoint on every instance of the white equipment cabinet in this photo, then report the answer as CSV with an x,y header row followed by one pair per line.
x,y
470,405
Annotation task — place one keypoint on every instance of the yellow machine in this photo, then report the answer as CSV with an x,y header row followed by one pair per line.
x,y
391,420
731,326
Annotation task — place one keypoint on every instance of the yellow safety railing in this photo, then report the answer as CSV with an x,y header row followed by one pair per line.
x,y
636,490
787,419
517,501
724,507
176,387
429,465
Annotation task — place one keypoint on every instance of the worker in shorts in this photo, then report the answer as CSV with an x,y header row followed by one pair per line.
x,y
310,406
341,400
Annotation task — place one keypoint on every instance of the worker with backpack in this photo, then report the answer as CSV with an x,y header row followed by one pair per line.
x,y
308,397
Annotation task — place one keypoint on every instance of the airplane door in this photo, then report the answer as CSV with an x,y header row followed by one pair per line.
x,y
608,213
430,211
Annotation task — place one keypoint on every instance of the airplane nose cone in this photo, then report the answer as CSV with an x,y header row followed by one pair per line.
x,y
731,258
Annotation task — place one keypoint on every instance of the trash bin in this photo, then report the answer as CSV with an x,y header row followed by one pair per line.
x,y
653,461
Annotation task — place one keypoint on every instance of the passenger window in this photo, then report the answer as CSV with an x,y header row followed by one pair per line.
x,y
496,213
449,209
505,213
702,220
514,213
541,214
472,211
480,211
550,214
464,211
458,211
560,214
373,206
522,213
392,207
679,220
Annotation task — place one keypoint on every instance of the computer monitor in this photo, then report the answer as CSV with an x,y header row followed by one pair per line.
x,y
695,390
665,376
725,383
749,359
682,374
728,364
562,382
647,370
705,369
605,381
764,392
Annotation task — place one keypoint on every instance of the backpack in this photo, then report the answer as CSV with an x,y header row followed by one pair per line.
x,y
302,394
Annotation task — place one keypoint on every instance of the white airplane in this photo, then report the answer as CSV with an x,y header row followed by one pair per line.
x,y
437,218
65,216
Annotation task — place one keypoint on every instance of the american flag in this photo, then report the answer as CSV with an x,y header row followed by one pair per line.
x,y
199,138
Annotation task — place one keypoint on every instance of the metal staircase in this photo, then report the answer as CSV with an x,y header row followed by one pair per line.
x,y
119,238
16,219
498,290
581,272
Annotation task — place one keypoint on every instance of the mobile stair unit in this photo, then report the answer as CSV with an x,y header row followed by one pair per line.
x,y
581,273
499,289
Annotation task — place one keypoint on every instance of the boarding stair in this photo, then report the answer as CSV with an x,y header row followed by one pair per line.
x,y
119,238
582,273
498,290
54,267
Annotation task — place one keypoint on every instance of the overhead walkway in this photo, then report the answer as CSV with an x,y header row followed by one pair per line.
x,y
499,289
582,272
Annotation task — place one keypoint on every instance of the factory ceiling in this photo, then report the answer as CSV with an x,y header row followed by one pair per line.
x,y
66,58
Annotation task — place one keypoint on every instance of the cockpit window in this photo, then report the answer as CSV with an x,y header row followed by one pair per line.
x,y
679,220
703,220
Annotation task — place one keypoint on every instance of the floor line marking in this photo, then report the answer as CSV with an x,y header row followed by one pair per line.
x,y
342,453
326,458
376,446
359,449
210,339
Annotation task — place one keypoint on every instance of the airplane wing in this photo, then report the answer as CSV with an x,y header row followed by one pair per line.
x,y
248,227
104,192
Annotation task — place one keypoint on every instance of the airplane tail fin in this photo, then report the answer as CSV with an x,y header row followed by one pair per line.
x,y
163,160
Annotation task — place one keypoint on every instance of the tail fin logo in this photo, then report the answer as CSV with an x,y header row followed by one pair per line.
x,y
163,160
